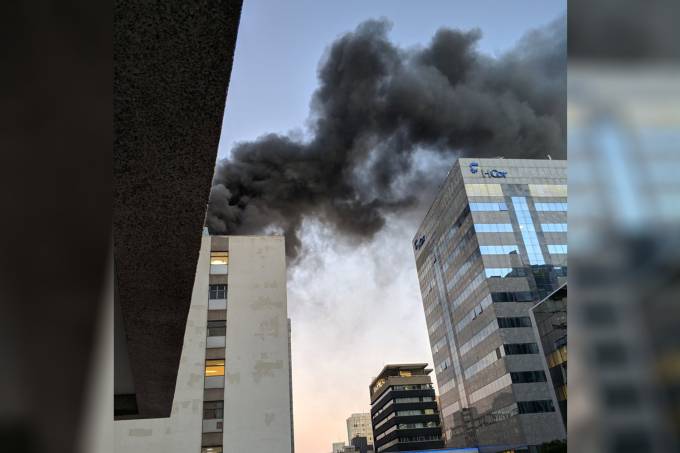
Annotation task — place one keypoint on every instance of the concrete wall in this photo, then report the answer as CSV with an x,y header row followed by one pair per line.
x,y
181,432
257,389
257,403
364,427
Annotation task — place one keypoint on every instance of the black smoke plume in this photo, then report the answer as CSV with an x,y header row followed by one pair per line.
x,y
377,106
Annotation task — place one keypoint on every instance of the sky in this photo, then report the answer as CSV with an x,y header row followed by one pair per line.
x,y
353,307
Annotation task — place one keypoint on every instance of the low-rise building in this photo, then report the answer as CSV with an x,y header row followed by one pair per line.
x,y
404,412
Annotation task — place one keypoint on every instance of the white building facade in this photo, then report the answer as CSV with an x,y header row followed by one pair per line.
x,y
359,425
233,390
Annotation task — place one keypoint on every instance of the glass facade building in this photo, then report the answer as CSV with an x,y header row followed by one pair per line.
x,y
492,245
549,318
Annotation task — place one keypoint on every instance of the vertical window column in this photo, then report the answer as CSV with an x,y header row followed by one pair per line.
x,y
215,354
219,262
526,227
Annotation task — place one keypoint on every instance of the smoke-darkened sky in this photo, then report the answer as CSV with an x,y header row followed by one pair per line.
x,y
341,122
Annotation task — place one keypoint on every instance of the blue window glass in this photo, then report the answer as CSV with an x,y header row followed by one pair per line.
x,y
501,206
554,227
493,227
497,271
526,226
498,249
557,249
503,272
551,206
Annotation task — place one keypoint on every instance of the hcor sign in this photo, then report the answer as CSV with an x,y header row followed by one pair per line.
x,y
474,168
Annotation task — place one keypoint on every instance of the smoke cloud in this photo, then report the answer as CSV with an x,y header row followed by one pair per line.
x,y
377,110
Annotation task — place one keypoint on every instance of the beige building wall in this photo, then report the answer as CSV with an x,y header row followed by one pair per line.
x,y
359,425
257,386
181,432
257,390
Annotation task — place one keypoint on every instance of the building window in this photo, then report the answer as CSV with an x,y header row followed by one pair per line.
x,y
491,388
214,367
415,412
554,227
446,386
520,348
551,206
548,190
217,328
520,321
473,314
557,357
484,190
477,207
439,345
500,272
522,377
557,249
498,249
443,365
435,325
516,296
213,410
414,399
486,361
461,271
469,289
526,227
560,271
561,392
505,272
219,258
478,337
533,407
493,227
218,291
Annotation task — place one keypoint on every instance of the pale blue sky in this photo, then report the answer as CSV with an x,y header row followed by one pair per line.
x,y
280,43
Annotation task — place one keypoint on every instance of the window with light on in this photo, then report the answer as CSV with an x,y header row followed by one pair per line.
x,y
219,258
214,367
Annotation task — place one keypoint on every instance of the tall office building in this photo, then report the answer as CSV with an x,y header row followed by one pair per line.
x,y
491,246
404,413
233,390
359,425
549,318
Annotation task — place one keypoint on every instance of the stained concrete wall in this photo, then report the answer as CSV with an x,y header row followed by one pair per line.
x,y
257,394
181,432
257,416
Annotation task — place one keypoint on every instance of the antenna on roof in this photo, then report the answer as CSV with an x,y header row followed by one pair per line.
x,y
549,158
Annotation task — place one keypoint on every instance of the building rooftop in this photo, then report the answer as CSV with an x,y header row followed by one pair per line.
x,y
393,369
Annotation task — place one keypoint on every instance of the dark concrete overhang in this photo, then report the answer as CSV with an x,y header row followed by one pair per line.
x,y
172,67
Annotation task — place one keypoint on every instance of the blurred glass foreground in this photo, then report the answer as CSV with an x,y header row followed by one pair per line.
x,y
624,251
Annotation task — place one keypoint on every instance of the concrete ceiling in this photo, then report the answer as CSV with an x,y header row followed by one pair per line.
x,y
172,66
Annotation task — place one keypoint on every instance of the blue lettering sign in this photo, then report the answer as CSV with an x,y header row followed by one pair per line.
x,y
474,168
